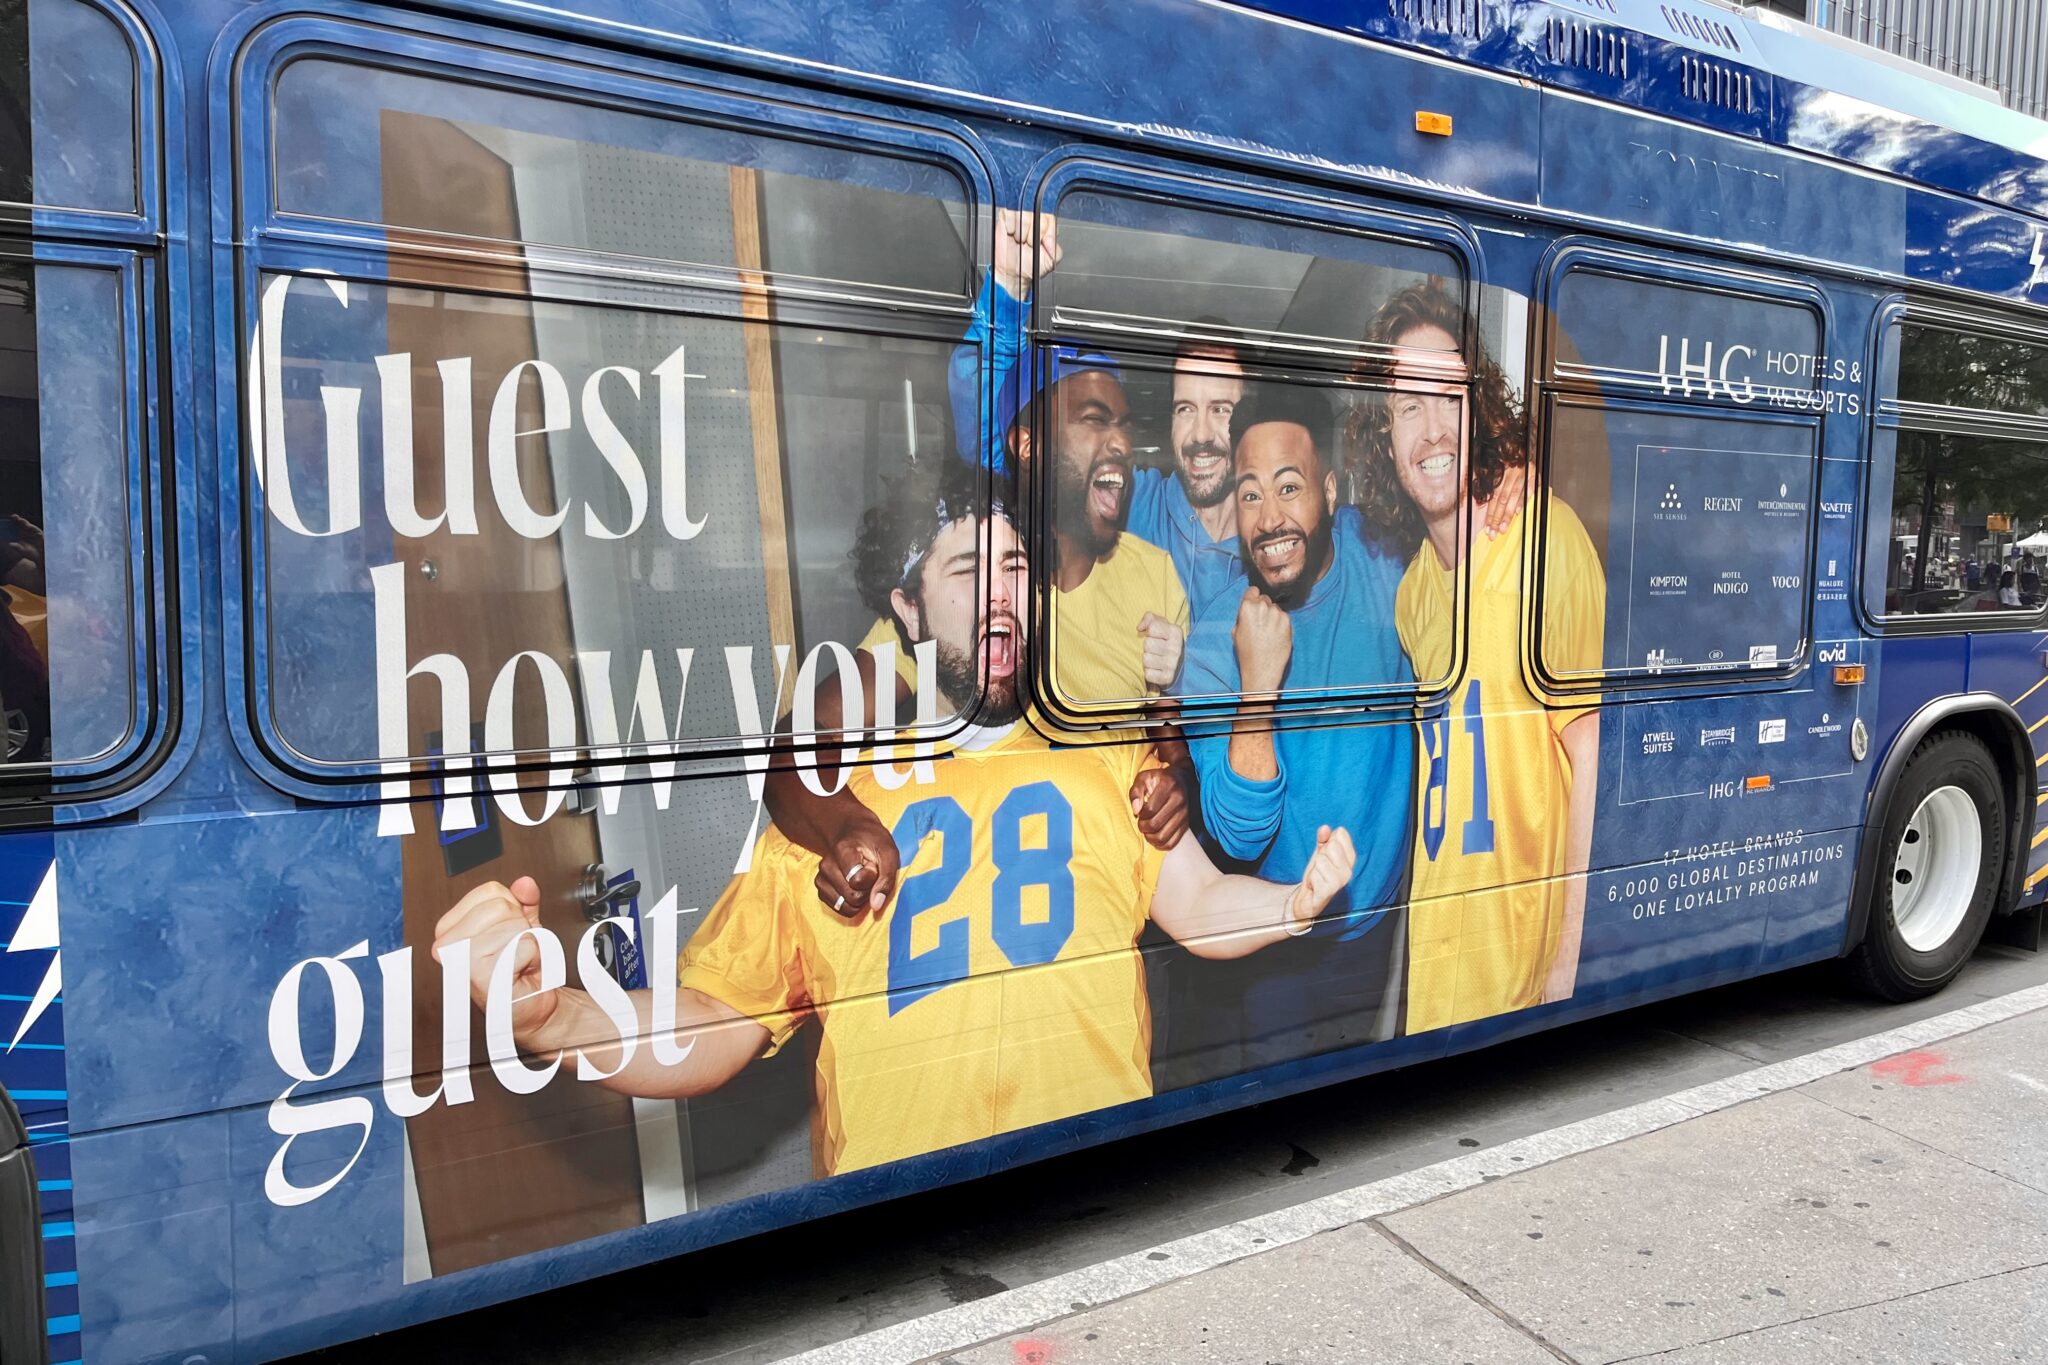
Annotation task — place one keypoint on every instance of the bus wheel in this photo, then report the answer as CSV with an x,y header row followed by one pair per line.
x,y
1943,854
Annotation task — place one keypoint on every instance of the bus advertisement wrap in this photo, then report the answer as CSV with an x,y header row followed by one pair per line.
x,y
622,627
1318,739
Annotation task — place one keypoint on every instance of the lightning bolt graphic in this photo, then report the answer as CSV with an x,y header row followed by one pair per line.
x,y
2039,259
39,931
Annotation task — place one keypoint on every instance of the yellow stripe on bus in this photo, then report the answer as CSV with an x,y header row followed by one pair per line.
x,y
2041,838
2030,691
2034,878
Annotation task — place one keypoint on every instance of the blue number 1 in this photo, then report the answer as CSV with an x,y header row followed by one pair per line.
x,y
1478,833
914,975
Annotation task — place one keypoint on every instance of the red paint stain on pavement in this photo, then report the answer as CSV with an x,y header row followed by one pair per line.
x,y
1032,1352
1916,1069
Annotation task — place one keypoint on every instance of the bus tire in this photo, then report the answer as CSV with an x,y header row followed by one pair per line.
x,y
1940,866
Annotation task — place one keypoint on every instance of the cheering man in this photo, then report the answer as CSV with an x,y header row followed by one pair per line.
x,y
1504,827
1315,616
1003,987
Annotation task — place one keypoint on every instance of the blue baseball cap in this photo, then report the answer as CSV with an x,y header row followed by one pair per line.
x,y
1038,371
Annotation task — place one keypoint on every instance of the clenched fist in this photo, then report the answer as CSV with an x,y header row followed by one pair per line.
x,y
1328,872
1027,246
1164,643
1264,636
1159,800
858,871
490,918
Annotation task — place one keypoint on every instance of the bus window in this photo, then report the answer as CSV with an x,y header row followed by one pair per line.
x,y
1145,265
1682,426
1960,461
587,440
92,114
590,179
1951,368
1194,460
71,585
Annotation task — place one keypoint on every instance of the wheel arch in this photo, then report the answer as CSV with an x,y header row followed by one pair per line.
x,y
1990,718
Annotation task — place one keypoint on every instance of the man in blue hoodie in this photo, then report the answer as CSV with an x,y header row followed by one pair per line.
x,y
1317,615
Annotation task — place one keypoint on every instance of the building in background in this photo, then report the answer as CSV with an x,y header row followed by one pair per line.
x,y
1999,44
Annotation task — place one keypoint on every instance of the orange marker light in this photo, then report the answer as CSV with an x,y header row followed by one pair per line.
x,y
1436,125
1758,784
1848,675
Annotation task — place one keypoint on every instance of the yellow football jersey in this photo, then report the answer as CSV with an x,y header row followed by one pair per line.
x,y
1002,986
1487,897
884,632
1098,657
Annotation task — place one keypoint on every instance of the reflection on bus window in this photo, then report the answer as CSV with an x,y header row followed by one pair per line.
x,y
591,179
1969,525
66,560
1949,368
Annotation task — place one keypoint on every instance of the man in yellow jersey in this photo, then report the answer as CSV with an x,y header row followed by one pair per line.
x,y
1119,612
1504,829
1002,988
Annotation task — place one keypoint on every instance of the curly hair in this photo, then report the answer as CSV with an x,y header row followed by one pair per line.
x,y
897,533
1498,435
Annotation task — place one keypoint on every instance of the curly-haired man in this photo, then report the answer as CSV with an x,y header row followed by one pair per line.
x,y
1504,826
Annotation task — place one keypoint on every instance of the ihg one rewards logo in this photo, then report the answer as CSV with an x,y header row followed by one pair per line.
x,y
321,1006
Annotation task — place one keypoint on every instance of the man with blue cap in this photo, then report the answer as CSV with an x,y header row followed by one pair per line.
x,y
1120,610
1119,615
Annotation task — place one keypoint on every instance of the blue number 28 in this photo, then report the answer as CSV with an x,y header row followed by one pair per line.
x,y
914,975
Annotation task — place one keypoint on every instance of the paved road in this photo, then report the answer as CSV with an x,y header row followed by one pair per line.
x,y
785,1292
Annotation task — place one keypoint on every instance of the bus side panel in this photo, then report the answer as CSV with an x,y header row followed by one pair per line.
x,y
178,1241
251,1188
33,1069
2013,665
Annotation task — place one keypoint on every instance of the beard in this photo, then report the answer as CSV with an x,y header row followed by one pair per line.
x,y
1315,557
1072,489
959,682
1199,496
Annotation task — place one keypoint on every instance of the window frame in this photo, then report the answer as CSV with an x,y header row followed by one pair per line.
x,y
1888,414
158,476
1305,208
253,239
1552,385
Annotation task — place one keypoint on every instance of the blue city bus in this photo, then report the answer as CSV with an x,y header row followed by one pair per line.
x,y
1015,575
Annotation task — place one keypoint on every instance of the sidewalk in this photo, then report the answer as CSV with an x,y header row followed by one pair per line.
x,y
1896,1212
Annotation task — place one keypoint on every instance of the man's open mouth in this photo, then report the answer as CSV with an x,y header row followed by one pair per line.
x,y
999,648
1106,490
1278,549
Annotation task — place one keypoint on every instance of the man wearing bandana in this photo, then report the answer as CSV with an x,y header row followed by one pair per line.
x,y
1003,988
1119,614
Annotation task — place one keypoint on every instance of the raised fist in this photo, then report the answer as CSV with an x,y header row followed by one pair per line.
x,y
490,918
1264,636
1027,247
1165,642
1328,872
858,871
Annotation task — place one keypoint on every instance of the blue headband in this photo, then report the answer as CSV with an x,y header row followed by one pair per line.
x,y
948,512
